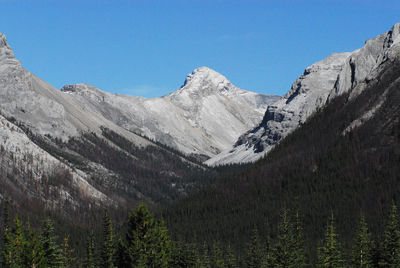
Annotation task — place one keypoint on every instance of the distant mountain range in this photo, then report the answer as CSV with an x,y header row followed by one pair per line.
x,y
80,146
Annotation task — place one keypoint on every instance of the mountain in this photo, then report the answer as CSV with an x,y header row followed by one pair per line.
x,y
80,147
204,117
320,83
342,162
57,153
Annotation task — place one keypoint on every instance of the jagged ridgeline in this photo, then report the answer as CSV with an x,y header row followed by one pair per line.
x,y
343,161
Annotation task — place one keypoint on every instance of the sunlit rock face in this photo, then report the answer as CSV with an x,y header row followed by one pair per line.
x,y
204,117
322,81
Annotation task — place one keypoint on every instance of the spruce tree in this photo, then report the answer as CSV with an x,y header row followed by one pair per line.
x,y
391,245
330,255
268,258
184,256
254,253
107,249
284,250
90,258
53,254
13,252
230,259
5,230
68,253
217,256
205,258
300,258
147,243
121,254
361,255
34,254
6,214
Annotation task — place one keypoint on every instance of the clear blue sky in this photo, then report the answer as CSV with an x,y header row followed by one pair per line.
x,y
147,47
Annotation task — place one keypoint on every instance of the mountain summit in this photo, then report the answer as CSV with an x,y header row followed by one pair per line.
x,y
204,117
6,53
204,79
320,83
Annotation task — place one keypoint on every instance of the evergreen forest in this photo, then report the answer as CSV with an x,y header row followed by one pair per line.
x,y
144,241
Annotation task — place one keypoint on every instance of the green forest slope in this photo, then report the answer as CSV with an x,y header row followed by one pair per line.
x,y
316,171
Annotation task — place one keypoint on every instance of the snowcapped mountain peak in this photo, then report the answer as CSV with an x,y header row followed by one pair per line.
x,y
204,79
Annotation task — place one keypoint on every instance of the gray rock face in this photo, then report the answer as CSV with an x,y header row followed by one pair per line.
x,y
28,100
42,107
204,117
322,81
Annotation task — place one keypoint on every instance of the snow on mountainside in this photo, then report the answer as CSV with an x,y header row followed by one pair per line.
x,y
204,117
322,81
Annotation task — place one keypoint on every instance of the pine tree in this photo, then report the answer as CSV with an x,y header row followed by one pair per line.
x,y
268,258
6,214
183,256
391,244
107,249
34,254
361,255
53,254
146,242
205,258
254,253
68,253
23,247
5,231
284,250
217,256
330,255
13,252
121,254
300,258
90,258
230,260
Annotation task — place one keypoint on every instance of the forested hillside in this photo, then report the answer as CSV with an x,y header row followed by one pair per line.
x,y
344,161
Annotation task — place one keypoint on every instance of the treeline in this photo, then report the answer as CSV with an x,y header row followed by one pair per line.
x,y
145,242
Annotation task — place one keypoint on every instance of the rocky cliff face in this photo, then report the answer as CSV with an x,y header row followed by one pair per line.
x,y
204,117
321,82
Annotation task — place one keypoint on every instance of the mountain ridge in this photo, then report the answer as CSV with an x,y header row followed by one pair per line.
x,y
188,119
297,105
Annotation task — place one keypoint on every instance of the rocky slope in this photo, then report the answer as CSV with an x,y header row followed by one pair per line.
x,y
204,117
320,83
57,152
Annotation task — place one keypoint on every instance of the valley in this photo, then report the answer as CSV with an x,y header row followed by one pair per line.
x,y
209,175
